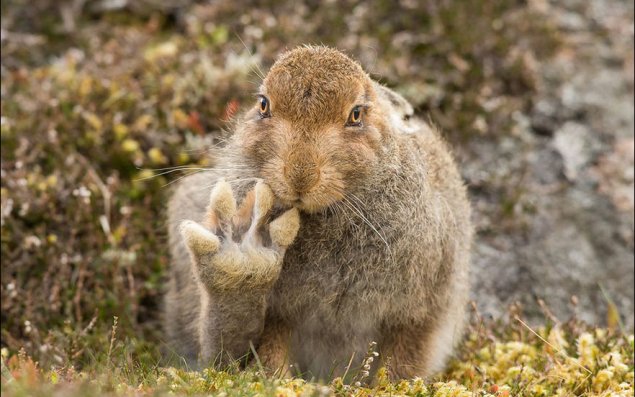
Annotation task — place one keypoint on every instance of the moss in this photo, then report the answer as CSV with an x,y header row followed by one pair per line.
x,y
600,364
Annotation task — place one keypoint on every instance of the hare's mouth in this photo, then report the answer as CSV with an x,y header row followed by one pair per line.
x,y
320,197
306,202
318,202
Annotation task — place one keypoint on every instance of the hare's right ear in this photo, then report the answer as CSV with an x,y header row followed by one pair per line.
x,y
398,103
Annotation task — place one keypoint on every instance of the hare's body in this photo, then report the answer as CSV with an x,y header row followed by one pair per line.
x,y
387,263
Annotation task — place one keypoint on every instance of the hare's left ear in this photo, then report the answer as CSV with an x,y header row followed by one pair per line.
x,y
399,104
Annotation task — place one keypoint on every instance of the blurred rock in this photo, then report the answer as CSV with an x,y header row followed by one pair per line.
x,y
566,185
573,141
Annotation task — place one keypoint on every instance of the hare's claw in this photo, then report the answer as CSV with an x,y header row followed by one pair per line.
x,y
198,239
221,208
226,253
284,229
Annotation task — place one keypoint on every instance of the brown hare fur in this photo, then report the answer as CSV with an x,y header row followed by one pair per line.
x,y
382,222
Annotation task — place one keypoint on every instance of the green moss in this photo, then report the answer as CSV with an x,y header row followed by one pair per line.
x,y
566,359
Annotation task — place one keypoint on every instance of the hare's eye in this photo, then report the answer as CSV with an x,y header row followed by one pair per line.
x,y
263,106
355,117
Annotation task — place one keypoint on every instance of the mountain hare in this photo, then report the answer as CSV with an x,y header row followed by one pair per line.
x,y
335,220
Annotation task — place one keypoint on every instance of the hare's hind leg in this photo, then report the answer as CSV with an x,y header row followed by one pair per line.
x,y
420,349
273,351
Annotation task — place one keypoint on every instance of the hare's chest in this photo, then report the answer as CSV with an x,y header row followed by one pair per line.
x,y
331,282
333,307
335,271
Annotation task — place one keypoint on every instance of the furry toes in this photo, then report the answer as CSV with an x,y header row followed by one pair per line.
x,y
284,229
238,247
198,238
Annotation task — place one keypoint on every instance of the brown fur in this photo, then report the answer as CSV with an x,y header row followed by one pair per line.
x,y
382,253
273,351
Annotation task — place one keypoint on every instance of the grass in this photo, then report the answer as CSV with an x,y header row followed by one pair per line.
x,y
496,359
93,119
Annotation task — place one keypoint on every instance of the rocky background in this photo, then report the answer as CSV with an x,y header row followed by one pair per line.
x,y
100,98
554,197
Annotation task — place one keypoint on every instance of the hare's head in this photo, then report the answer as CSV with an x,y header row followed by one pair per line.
x,y
317,131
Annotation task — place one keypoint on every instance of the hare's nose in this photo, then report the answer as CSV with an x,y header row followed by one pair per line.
x,y
302,174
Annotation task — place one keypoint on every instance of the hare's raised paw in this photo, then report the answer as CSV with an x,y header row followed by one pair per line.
x,y
238,246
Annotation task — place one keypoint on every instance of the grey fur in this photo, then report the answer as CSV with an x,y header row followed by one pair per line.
x,y
402,283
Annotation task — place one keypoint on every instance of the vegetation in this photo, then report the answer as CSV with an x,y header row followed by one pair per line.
x,y
495,360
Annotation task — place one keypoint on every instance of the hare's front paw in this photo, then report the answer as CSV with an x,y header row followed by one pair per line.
x,y
238,247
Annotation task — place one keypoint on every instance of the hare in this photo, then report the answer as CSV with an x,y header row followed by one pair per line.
x,y
334,219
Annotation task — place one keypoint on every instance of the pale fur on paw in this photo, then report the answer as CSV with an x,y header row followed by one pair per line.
x,y
236,246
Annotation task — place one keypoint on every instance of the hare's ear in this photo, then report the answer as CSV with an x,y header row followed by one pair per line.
x,y
399,104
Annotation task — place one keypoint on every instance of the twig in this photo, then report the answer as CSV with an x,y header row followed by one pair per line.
x,y
112,338
105,220
552,346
